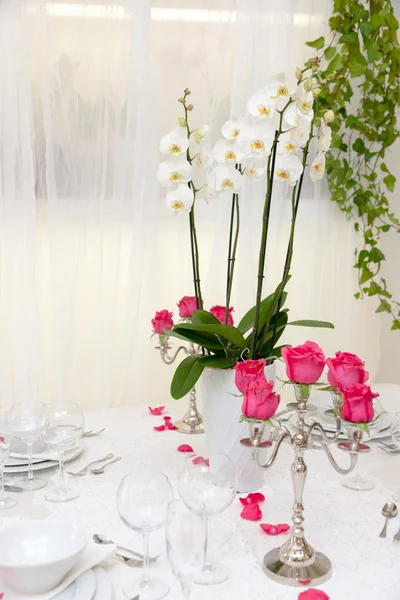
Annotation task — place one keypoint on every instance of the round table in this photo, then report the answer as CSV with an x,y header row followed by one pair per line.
x,y
341,523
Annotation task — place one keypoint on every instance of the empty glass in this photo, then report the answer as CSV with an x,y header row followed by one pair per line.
x,y
61,427
142,501
25,426
357,480
213,482
5,442
186,534
395,433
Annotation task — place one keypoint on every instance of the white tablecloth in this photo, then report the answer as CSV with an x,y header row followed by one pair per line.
x,y
341,523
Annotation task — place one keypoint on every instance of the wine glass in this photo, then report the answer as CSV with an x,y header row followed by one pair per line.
x,y
142,501
395,433
25,426
357,480
186,533
61,427
5,442
213,482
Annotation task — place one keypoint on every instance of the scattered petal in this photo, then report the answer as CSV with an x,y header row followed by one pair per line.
x,y
199,460
313,594
304,581
159,428
254,498
185,448
274,529
170,425
251,512
167,418
156,411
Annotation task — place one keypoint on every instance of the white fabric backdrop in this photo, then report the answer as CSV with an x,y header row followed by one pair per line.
x,y
88,248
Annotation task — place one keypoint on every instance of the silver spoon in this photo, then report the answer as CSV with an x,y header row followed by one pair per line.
x,y
100,470
101,539
85,469
93,433
389,511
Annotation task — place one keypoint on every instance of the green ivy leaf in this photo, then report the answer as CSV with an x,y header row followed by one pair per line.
x,y
330,52
376,255
383,307
317,44
359,146
366,274
389,181
396,324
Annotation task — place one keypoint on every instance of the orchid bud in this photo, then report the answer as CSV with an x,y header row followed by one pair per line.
x,y
182,122
316,92
314,69
329,116
181,100
308,85
299,74
190,107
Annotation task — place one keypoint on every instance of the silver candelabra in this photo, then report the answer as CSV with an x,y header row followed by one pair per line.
x,y
296,563
192,421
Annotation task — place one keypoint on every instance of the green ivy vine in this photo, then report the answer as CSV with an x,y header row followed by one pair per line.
x,y
359,70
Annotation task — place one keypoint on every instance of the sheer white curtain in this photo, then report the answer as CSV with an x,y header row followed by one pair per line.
x,y
88,250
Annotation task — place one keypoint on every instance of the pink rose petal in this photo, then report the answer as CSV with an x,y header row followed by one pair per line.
x,y
274,529
251,512
313,594
159,428
170,425
185,448
199,460
304,581
253,498
166,418
156,411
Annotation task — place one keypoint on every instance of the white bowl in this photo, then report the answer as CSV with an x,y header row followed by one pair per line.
x,y
35,556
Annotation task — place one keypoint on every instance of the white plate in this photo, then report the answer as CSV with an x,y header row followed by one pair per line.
x,y
43,464
104,587
46,454
83,588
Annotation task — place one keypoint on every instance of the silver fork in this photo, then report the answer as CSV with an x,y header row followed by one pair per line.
x,y
389,448
397,537
100,470
92,432
85,469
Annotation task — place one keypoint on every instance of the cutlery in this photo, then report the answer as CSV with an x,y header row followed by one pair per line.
x,y
12,488
389,449
389,511
92,432
85,469
397,537
100,470
101,539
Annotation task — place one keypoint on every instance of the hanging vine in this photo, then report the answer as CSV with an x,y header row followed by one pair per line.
x,y
361,62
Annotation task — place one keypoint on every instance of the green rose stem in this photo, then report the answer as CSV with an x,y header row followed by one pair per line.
x,y
232,252
192,224
264,235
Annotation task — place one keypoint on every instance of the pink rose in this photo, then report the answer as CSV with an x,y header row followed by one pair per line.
x,y
187,306
260,401
346,369
304,364
162,320
357,404
247,371
219,313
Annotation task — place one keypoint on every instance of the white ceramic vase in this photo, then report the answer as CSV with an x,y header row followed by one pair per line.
x,y
223,432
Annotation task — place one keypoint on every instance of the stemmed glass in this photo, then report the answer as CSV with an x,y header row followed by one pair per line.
x,y
61,427
357,480
142,501
5,442
25,426
395,433
186,542
213,482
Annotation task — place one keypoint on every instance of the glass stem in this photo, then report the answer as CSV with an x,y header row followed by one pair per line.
x,y
30,466
207,561
186,589
2,483
146,577
61,462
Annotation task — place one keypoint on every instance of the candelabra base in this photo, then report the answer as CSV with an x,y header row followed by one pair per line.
x,y
183,427
298,576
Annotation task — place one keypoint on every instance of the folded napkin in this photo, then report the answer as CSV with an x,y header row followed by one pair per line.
x,y
93,555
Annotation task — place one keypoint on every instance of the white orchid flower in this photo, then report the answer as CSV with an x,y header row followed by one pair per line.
x,y
291,116
235,130
325,140
253,170
260,105
259,143
301,133
228,153
201,133
305,103
288,169
174,143
205,156
225,179
180,198
317,169
282,86
286,144
172,172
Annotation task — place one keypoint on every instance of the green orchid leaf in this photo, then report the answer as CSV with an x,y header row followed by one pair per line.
x,y
312,323
203,317
216,362
186,376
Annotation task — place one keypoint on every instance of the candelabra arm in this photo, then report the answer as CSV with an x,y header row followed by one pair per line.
x,y
353,459
168,360
325,438
284,434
